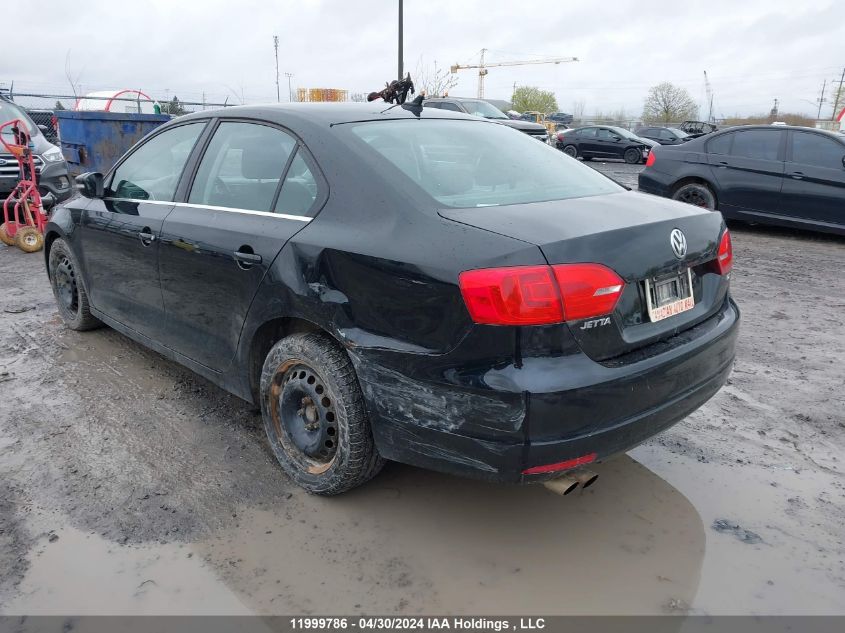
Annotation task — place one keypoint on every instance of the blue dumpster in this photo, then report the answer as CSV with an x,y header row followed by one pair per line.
x,y
93,141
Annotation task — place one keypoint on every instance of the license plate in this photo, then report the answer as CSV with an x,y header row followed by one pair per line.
x,y
667,297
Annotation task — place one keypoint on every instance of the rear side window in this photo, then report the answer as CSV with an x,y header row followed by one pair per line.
x,y
242,166
720,144
588,132
816,150
299,190
445,105
475,164
759,144
152,171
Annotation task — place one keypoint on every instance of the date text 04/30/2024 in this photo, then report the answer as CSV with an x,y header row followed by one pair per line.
x,y
417,624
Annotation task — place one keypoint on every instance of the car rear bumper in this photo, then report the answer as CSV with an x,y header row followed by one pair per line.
x,y
651,181
572,406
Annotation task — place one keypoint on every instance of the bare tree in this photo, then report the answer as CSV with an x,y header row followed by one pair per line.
x,y
72,79
668,103
578,108
434,80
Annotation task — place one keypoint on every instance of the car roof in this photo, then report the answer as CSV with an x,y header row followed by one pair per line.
x,y
328,113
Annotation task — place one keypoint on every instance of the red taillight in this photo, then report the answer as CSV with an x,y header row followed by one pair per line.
x,y
519,295
567,465
560,135
588,290
725,259
650,160
540,295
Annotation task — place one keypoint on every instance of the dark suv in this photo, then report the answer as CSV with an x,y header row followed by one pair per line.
x,y
478,107
50,165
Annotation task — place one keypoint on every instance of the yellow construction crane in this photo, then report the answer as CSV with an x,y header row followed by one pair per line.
x,y
482,67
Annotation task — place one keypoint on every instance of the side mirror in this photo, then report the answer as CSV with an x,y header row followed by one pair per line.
x,y
44,129
48,202
672,138
90,184
843,161
616,139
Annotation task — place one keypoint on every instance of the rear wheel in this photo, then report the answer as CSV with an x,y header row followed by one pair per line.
x,y
697,194
70,294
570,150
314,415
633,156
29,239
5,237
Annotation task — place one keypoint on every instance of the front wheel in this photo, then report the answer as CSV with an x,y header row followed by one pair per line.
x,y
633,156
71,297
314,415
697,194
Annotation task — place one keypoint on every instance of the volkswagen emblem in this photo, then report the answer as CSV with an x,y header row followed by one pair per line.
x,y
679,243
2,161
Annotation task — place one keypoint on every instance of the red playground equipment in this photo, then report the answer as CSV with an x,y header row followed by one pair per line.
x,y
24,217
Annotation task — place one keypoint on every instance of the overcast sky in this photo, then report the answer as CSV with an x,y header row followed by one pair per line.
x,y
753,50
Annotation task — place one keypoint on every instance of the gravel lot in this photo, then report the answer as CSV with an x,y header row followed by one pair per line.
x,y
130,485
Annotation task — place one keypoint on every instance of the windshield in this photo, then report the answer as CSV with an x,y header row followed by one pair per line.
x,y
10,112
474,164
677,132
482,108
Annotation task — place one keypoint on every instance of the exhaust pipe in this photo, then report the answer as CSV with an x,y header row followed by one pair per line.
x,y
585,477
562,485
567,483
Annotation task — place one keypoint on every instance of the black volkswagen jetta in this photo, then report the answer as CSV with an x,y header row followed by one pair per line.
x,y
406,284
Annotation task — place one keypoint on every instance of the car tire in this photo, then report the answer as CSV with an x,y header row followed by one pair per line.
x,y
633,156
68,289
5,237
697,194
314,415
570,150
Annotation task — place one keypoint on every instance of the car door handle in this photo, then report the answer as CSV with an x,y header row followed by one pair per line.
x,y
246,259
147,236
797,175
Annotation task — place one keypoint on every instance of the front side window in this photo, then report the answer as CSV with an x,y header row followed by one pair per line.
x,y
476,164
759,144
482,108
242,166
152,171
606,135
816,150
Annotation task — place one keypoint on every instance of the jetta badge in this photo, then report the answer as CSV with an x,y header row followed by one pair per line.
x,y
679,243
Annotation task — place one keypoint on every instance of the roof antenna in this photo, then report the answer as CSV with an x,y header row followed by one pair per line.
x,y
415,106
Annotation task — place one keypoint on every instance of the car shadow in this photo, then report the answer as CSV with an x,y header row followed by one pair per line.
x,y
415,541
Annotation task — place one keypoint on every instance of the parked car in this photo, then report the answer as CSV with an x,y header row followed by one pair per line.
x,y
479,107
664,135
792,176
465,300
603,141
49,162
560,117
694,129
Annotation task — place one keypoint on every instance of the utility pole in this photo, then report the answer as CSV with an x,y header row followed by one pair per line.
x,y
399,72
276,48
821,100
838,96
290,92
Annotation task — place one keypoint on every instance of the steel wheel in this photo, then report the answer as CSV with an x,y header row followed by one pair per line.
x,y
696,194
67,292
302,409
633,156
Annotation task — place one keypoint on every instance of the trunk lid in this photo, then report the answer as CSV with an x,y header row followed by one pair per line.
x,y
628,232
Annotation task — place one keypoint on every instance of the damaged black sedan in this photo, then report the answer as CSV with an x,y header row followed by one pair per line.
x,y
403,283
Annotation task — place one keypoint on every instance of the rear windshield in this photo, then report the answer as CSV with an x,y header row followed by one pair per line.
x,y
477,164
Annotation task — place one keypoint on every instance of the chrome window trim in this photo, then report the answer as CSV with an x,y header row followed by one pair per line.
x,y
270,214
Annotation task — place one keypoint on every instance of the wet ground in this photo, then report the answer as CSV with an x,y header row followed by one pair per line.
x,y
130,485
